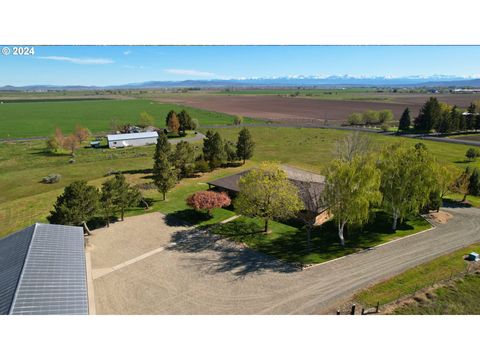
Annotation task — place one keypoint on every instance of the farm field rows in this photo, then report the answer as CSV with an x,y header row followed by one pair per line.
x,y
40,118
301,110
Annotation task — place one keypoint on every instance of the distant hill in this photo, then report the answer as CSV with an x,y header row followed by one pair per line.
x,y
291,81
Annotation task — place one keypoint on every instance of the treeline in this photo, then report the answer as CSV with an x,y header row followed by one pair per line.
x,y
174,163
402,180
80,202
442,117
67,142
371,118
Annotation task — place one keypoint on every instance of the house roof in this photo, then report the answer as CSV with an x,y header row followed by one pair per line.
x,y
309,185
132,136
42,271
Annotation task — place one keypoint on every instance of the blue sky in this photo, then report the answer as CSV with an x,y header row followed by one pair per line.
x,y
115,65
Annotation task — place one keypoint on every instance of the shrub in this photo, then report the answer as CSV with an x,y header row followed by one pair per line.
x,y
472,154
208,200
52,179
238,120
202,166
355,119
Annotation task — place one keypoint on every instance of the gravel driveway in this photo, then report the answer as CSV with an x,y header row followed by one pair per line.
x,y
201,274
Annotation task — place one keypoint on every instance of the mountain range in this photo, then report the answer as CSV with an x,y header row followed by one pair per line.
x,y
287,81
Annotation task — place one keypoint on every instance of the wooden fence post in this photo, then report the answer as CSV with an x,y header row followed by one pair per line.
x,y
378,305
352,312
338,311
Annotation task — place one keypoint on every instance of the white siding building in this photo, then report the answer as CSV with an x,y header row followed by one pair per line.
x,y
132,139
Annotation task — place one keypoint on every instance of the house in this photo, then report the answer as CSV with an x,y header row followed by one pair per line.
x,y
43,271
132,139
310,187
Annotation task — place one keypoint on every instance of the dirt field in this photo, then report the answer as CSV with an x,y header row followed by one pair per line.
x,y
306,110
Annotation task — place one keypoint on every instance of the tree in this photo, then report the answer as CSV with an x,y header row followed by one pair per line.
x,y
385,116
184,159
71,144
53,145
444,125
125,194
76,206
195,124
230,151
429,115
370,117
245,145
470,117
351,189
82,134
213,149
471,154
462,184
266,192
208,200
311,195
238,120
185,121
405,121
355,119
445,175
353,144
474,183
107,200
164,176
146,119
172,122
407,178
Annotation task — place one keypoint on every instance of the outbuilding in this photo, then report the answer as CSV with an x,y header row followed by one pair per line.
x,y
43,271
132,139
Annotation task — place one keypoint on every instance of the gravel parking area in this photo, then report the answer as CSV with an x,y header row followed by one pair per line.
x,y
193,272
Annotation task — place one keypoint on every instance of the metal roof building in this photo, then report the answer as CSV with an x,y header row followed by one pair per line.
x,y
132,139
43,272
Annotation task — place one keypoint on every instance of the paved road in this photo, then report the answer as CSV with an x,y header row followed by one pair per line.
x,y
200,274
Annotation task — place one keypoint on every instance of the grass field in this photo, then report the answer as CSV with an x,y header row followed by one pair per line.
x,y
40,118
460,298
416,278
23,199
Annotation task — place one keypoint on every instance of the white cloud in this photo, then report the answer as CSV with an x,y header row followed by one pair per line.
x,y
189,72
128,52
81,61
134,67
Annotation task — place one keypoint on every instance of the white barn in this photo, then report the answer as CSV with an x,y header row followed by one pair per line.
x,y
132,139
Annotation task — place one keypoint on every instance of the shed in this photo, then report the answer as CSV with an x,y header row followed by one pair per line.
x,y
43,271
132,139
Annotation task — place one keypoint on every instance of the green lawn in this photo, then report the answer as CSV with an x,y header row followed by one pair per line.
x,y
40,118
416,278
23,199
289,242
460,298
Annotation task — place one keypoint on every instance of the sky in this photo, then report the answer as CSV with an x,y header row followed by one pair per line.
x,y
117,65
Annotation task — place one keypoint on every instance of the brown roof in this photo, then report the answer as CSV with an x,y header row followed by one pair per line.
x,y
308,184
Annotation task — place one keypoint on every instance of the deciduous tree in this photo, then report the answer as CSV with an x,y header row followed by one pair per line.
x,y
351,189
81,133
146,119
172,122
266,192
208,200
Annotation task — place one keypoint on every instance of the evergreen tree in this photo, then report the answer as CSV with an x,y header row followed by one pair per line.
x,y
230,151
185,121
107,200
77,205
184,159
474,184
164,176
245,145
125,194
470,117
445,123
455,117
213,149
405,121
429,115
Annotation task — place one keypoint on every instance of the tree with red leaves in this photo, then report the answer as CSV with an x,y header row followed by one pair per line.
x,y
208,200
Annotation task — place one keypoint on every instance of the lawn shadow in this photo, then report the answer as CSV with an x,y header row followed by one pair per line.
x,y
187,217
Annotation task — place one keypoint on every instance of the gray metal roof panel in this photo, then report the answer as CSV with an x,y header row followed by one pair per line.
x,y
53,280
13,251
